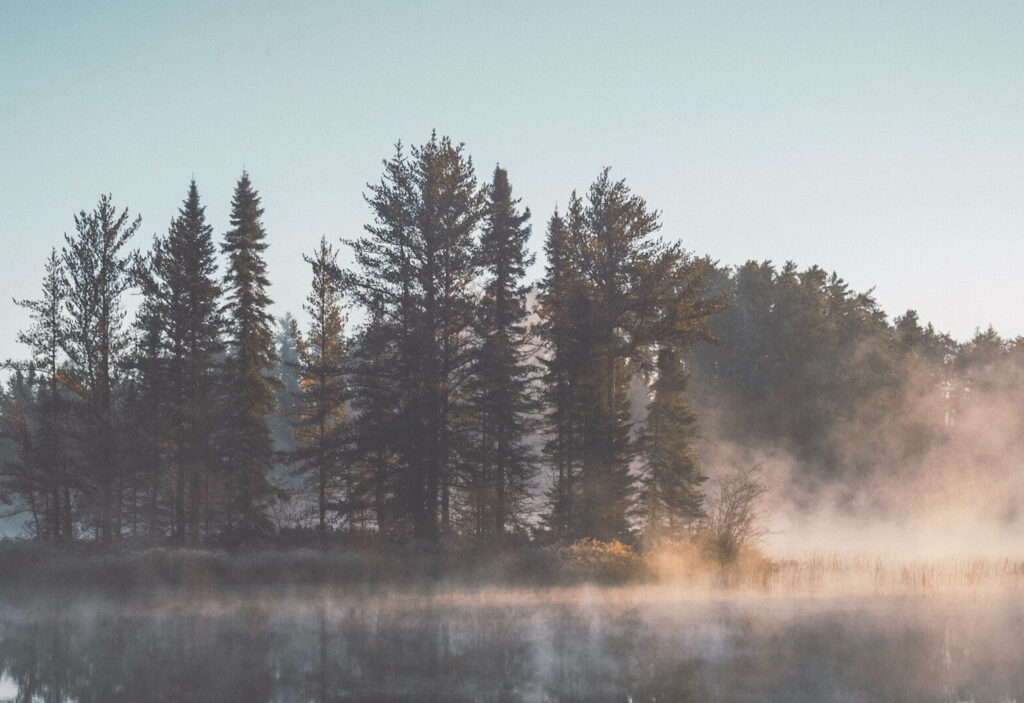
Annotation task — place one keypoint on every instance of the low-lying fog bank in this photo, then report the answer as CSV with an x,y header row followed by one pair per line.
x,y
570,644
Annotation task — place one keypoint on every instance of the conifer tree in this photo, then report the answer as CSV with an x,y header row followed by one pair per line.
x,y
99,273
248,368
146,423
501,403
612,291
557,304
448,208
414,270
672,496
375,428
320,418
384,383
185,309
51,407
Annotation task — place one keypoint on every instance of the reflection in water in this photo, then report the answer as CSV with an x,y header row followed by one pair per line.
x,y
346,649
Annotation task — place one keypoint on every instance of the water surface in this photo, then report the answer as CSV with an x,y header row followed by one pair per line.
x,y
575,645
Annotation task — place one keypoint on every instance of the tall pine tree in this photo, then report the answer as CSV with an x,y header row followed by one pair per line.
x,y
248,383
612,291
100,272
562,360
187,293
413,277
503,465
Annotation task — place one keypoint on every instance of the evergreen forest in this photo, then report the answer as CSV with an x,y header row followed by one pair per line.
x,y
429,392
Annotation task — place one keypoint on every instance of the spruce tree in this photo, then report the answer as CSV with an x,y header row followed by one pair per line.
x,y
502,404
319,423
558,295
186,295
248,368
672,496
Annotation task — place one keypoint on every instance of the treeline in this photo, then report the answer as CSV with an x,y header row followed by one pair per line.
x,y
433,414
461,399
879,416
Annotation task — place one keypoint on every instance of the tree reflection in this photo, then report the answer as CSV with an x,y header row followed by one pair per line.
x,y
329,652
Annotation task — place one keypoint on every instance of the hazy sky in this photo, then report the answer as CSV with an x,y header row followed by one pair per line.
x,y
881,140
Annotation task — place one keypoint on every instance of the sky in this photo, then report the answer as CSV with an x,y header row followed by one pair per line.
x,y
884,141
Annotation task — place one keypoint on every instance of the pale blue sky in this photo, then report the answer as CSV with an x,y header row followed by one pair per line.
x,y
883,140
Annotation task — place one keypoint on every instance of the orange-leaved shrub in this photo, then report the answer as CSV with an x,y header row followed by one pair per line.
x,y
605,562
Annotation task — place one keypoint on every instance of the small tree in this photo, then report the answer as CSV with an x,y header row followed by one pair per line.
x,y
321,395
672,496
733,519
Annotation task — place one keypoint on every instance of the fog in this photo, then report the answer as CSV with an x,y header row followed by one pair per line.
x,y
931,466
588,644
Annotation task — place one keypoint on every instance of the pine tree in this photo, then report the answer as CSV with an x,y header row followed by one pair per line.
x,y
414,274
384,382
612,291
187,272
672,496
502,404
175,398
248,368
558,295
51,406
145,425
320,420
99,274
375,429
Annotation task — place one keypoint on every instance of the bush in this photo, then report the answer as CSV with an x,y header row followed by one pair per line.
x,y
734,522
604,562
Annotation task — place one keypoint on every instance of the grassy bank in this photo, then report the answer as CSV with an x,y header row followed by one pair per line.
x,y
683,565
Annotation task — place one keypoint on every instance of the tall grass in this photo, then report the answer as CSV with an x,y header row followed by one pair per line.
x,y
686,567
873,574
831,574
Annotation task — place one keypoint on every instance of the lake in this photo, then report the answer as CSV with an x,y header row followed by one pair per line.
x,y
575,644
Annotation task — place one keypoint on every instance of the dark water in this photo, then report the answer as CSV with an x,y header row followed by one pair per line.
x,y
598,646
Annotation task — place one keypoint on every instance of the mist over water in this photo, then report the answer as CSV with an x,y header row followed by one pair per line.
x,y
591,644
